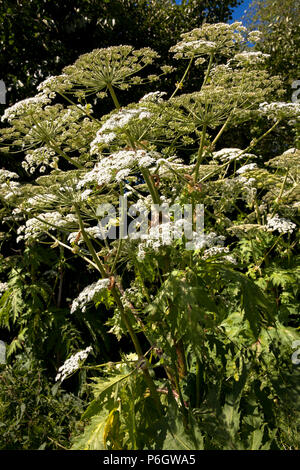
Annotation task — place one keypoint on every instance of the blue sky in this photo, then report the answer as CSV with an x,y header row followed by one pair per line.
x,y
238,12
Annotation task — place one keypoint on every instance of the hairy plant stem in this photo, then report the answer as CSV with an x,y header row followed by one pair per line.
x,y
117,297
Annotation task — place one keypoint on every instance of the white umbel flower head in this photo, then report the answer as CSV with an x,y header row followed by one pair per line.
x,y
24,107
250,57
118,120
280,224
88,294
280,110
228,154
245,168
72,364
118,165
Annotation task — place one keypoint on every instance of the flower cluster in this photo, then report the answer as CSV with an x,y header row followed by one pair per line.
x,y
153,96
7,175
219,251
3,287
43,223
280,110
117,166
94,232
53,85
229,154
245,168
25,107
107,132
250,57
10,189
88,294
255,36
114,66
206,240
165,233
72,364
280,224
161,235
210,38
40,157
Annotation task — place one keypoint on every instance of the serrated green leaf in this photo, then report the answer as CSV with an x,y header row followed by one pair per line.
x,y
102,390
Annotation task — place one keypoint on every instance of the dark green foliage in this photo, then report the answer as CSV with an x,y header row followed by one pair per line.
x,y
279,21
38,38
34,412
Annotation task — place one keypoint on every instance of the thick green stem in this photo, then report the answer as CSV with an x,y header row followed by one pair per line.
x,y
200,152
64,155
280,194
152,189
90,245
138,348
179,85
198,383
113,95
208,70
116,295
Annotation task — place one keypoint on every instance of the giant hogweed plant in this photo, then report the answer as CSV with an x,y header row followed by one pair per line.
x,y
211,327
